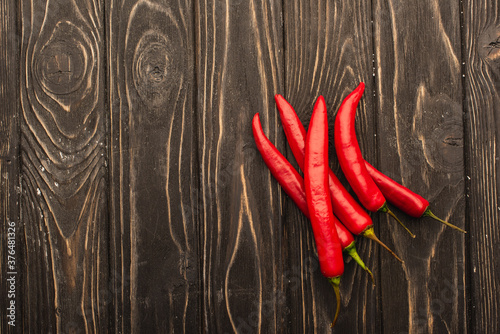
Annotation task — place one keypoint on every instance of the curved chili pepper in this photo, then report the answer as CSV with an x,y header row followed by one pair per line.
x,y
289,179
344,206
403,198
293,184
318,199
349,246
350,158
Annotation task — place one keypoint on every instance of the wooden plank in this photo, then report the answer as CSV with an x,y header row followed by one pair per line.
x,y
329,51
11,249
10,233
63,177
153,166
481,41
420,134
239,69
9,77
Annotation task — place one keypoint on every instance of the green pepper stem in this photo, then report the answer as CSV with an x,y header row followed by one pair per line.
x,y
370,234
386,209
351,250
428,213
335,282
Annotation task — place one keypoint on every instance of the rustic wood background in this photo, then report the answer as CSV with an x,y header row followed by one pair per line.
x,y
142,206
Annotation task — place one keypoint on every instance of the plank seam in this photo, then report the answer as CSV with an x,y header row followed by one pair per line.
x,y
112,308
285,309
375,218
196,158
281,325
470,311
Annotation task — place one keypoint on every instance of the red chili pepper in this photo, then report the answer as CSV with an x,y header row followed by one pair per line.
x,y
403,198
289,179
350,158
344,206
318,199
349,245
293,184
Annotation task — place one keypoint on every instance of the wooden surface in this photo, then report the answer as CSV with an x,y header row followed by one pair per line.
x,y
64,215
330,56
481,69
420,136
10,249
140,201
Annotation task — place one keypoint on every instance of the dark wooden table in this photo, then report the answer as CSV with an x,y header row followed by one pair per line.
x,y
133,199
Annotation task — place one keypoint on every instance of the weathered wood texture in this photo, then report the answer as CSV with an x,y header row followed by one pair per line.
x,y
9,80
125,134
239,68
420,140
63,177
10,242
481,46
10,236
328,54
154,168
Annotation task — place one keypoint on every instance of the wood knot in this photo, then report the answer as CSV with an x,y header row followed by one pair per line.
x,y
157,52
453,141
62,63
489,46
60,67
64,82
152,68
447,145
439,127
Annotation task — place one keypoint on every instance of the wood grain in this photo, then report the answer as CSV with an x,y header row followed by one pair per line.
x,y
128,165
9,79
63,200
481,40
10,233
329,51
154,168
11,262
239,69
420,133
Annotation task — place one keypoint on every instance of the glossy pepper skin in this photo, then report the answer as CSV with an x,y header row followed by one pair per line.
x,y
349,155
403,198
293,185
349,246
318,199
318,194
289,179
351,161
344,206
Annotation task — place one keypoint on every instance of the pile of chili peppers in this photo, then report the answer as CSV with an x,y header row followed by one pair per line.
x,y
334,214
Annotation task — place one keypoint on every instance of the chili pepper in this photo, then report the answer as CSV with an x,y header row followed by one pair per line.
x,y
403,198
319,202
289,179
350,158
293,184
349,245
344,206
